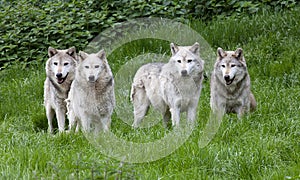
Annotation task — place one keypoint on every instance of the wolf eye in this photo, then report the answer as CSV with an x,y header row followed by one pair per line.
x,y
233,65
179,61
97,66
55,63
65,64
223,66
87,67
189,61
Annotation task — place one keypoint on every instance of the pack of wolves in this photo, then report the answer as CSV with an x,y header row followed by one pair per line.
x,y
81,87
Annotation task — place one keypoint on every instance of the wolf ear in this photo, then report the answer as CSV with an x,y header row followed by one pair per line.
x,y
221,53
51,51
82,55
195,49
101,54
239,53
174,49
72,52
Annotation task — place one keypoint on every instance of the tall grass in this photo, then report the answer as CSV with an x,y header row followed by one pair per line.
x,y
262,145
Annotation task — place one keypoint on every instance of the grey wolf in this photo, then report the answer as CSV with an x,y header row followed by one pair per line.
x,y
171,88
230,84
60,72
91,99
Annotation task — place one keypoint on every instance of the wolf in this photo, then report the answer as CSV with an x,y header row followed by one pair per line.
x,y
91,99
60,72
171,88
230,84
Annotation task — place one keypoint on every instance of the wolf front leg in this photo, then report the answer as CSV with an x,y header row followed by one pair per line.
x,y
50,115
61,116
73,121
86,125
106,121
166,117
175,112
191,113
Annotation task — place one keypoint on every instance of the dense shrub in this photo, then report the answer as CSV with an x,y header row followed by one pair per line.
x,y
29,27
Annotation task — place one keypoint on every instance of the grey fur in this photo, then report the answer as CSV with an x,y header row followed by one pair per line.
x,y
170,88
60,62
230,84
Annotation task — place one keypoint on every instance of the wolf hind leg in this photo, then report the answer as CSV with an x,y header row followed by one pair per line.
x,y
139,113
141,105
242,110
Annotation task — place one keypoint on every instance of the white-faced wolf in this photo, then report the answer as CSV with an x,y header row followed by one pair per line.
x,y
91,99
170,88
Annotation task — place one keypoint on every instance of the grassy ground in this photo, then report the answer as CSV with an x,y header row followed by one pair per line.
x,y
263,145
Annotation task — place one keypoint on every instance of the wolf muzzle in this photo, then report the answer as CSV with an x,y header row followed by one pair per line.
x,y
184,72
91,78
228,80
60,78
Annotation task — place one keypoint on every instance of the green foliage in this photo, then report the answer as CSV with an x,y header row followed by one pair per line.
x,y
28,28
208,9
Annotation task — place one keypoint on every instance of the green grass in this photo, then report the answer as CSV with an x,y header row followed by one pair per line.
x,y
262,145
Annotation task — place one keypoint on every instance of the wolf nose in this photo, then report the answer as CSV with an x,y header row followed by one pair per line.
x,y
184,72
59,75
91,78
227,77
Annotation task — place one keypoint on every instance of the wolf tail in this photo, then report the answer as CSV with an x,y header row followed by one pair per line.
x,y
253,103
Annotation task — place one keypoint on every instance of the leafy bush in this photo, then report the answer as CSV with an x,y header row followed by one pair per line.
x,y
208,9
28,28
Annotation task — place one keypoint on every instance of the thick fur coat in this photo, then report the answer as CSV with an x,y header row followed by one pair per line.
x,y
230,84
91,99
170,88
60,72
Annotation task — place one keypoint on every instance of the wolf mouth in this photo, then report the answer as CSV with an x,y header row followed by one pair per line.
x,y
229,81
61,80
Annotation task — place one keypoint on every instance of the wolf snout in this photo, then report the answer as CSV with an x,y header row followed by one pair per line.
x,y
91,78
59,75
227,78
184,72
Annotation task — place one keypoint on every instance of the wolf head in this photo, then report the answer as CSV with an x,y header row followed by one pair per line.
x,y
231,64
186,58
61,64
92,65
